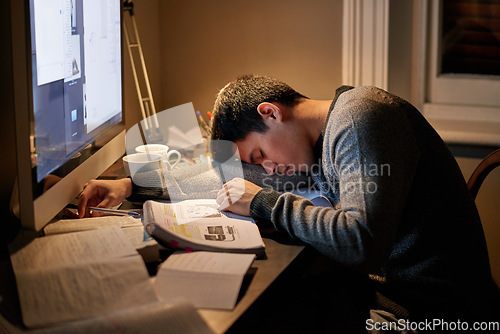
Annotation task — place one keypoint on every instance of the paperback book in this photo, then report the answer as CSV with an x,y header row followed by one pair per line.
x,y
200,225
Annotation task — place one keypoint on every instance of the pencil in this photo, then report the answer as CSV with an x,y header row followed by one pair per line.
x,y
116,212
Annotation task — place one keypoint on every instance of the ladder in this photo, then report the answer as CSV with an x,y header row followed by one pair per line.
x,y
146,102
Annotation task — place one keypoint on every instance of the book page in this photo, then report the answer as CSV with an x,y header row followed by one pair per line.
x,y
73,225
132,227
194,209
190,210
78,275
135,235
72,248
165,317
207,279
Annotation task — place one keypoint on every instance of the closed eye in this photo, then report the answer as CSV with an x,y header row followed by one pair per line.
x,y
256,157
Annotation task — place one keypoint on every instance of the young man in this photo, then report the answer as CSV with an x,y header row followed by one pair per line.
x,y
401,209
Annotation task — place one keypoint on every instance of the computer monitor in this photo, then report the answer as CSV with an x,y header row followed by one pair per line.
x,y
67,65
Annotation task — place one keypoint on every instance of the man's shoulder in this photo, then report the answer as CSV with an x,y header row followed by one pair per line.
x,y
366,109
367,102
368,94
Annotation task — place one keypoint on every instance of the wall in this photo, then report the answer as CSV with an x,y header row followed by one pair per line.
x,y
192,49
203,45
400,49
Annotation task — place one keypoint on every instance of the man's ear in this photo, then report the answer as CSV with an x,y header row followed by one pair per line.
x,y
269,110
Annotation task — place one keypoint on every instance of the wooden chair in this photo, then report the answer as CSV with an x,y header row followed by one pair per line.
x,y
482,170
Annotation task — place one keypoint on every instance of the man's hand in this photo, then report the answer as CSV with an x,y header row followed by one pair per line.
x,y
236,196
103,194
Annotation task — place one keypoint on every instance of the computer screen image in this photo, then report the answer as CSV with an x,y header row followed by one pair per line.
x,y
67,59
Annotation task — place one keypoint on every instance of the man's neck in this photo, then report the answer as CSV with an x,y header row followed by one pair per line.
x,y
310,116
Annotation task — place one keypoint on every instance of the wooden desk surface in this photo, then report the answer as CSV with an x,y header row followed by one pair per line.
x,y
279,257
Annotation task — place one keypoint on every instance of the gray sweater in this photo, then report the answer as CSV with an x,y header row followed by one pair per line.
x,y
402,212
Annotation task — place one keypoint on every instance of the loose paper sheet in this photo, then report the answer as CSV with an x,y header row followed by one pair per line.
x,y
172,317
132,227
78,275
72,225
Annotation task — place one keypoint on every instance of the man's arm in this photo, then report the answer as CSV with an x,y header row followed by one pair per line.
x,y
194,181
204,181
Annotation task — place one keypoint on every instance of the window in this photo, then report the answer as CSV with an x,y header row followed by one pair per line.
x,y
442,55
470,37
462,85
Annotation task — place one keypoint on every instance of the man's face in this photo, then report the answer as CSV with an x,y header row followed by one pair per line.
x,y
279,149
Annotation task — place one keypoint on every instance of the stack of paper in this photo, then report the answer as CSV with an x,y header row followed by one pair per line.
x,y
206,279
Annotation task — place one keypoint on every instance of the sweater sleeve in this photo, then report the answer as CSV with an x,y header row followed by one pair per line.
x,y
369,160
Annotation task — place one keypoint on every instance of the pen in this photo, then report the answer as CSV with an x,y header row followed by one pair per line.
x,y
116,212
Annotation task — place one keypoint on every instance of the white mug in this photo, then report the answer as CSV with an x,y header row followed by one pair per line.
x,y
163,150
141,162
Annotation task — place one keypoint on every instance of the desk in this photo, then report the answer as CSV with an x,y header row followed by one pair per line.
x,y
279,257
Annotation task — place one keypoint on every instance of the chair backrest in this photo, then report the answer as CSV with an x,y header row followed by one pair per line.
x,y
482,170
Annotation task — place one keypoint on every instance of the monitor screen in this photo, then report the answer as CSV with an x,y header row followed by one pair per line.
x,y
76,77
67,80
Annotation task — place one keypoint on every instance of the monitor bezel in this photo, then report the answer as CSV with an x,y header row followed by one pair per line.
x,y
35,213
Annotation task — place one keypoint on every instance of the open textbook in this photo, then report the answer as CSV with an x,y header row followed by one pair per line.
x,y
199,225
93,281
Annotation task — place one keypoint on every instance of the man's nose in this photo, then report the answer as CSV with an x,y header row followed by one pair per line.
x,y
270,167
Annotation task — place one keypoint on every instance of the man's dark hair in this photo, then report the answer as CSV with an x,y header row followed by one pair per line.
x,y
235,110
